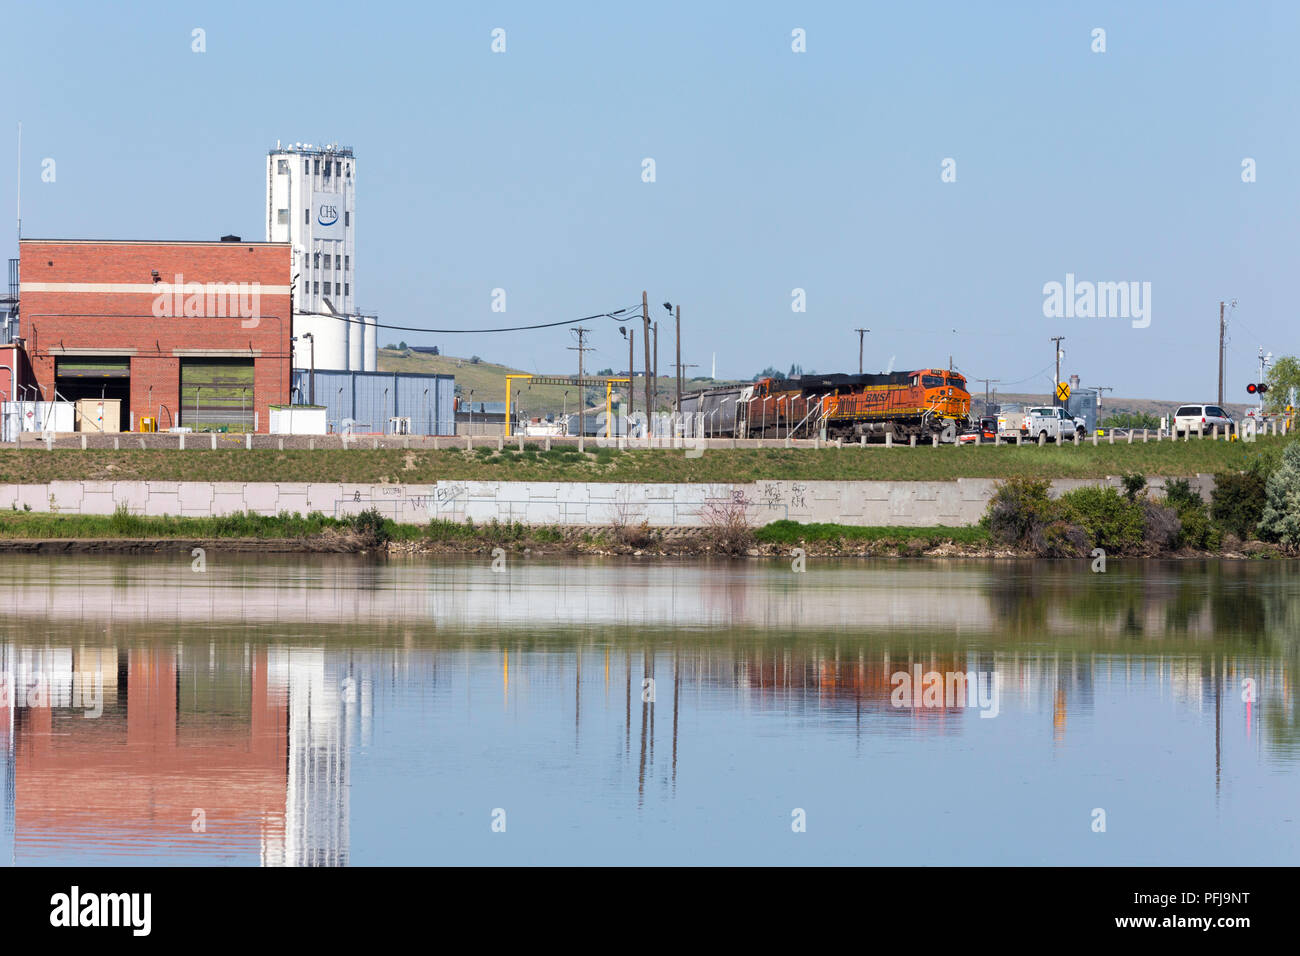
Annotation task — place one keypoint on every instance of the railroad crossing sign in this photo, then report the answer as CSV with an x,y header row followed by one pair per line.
x,y
1063,391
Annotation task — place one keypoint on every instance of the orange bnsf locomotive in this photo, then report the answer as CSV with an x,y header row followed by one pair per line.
x,y
923,403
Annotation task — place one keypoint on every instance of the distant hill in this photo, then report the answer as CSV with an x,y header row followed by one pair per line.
x,y
1112,405
488,380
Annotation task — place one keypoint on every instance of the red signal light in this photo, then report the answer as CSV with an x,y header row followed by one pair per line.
x,y
1252,388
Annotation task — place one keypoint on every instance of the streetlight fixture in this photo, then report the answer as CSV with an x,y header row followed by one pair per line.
x,y
311,378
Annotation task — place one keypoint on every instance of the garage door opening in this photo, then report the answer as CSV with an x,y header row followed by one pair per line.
x,y
101,388
217,395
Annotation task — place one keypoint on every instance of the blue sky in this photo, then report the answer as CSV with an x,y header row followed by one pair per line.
x,y
775,170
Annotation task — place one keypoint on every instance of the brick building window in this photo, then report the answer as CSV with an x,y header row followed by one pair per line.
x,y
337,289
316,260
347,289
282,217
347,218
315,287
282,167
347,262
306,217
318,167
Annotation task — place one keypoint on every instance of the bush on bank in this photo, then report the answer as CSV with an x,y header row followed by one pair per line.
x,y
1022,515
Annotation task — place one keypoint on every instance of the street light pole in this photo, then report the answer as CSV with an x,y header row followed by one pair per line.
x,y
860,334
1057,340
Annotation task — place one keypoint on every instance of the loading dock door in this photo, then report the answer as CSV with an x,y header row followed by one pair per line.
x,y
97,378
216,394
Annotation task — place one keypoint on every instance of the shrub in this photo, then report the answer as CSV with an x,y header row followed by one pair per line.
x,y
1280,517
1133,485
1196,529
1060,539
1111,521
1019,511
371,527
1237,503
727,527
1179,494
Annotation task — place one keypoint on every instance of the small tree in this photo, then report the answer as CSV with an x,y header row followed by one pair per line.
x,y
1133,485
1237,502
1282,377
1280,520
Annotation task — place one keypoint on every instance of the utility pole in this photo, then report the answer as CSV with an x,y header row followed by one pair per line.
x,y
860,334
1100,390
645,321
1057,340
679,360
987,382
582,389
1221,330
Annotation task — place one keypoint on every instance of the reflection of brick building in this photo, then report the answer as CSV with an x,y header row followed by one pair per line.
x,y
136,774
260,747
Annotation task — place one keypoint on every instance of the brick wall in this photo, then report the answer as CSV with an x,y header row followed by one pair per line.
x,y
82,298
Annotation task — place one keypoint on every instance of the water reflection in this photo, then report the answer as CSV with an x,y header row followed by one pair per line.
x,y
292,713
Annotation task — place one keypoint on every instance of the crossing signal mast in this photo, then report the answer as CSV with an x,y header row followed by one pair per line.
x,y
1261,387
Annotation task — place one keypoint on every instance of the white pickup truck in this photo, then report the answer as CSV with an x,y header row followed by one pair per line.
x,y
1053,424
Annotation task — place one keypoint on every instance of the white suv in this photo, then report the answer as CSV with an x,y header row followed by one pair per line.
x,y
1189,419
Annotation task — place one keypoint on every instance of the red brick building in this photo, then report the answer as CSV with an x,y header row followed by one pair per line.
x,y
188,333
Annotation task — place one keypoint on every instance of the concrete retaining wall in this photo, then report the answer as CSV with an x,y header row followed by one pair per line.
x,y
900,503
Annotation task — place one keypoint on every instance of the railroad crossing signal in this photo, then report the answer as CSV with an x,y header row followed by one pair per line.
x,y
1257,389
1063,391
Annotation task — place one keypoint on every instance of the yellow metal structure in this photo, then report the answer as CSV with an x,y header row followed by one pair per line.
x,y
609,384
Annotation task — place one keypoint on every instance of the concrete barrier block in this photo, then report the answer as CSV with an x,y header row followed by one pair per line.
x,y
262,498
195,498
162,502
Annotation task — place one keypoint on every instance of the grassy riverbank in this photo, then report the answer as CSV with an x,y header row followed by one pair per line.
x,y
20,531
420,466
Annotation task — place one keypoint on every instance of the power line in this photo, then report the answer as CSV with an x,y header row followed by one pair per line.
x,y
616,315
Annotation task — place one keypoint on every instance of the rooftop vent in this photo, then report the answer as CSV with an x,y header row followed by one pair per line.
x,y
230,239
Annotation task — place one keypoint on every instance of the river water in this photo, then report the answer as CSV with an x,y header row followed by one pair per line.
x,y
337,710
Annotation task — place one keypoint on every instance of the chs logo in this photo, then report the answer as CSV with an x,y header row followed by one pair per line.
x,y
328,215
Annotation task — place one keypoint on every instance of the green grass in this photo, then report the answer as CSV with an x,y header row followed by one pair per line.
x,y
792,532
607,464
122,524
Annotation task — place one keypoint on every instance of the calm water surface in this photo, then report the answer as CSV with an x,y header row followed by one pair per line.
x,y
328,711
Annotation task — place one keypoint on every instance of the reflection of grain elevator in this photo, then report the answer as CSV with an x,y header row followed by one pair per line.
x,y
323,703
311,204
